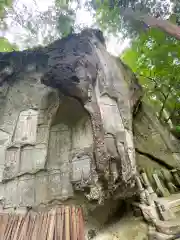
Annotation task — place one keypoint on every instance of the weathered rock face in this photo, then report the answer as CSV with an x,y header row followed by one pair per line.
x,y
80,67
57,143
54,144
154,140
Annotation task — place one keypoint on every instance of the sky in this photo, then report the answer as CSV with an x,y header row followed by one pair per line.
x,y
83,17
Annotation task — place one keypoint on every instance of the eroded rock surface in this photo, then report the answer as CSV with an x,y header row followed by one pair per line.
x,y
57,141
80,67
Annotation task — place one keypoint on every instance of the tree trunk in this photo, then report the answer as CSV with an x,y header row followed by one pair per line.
x,y
164,25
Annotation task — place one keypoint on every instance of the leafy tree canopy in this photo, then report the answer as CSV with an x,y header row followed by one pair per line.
x,y
154,55
155,58
131,17
36,26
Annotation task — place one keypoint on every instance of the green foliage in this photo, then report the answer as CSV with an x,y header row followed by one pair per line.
x,y
6,46
178,129
4,4
155,57
66,17
110,14
41,27
108,18
65,23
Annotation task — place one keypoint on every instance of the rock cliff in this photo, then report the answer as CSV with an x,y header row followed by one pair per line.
x,y
74,130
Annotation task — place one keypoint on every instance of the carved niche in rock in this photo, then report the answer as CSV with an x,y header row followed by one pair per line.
x,y
58,144
92,76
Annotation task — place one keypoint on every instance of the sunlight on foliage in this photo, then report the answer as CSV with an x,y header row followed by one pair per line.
x,y
4,4
155,58
6,46
33,26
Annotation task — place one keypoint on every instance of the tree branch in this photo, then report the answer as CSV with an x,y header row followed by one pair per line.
x,y
151,21
156,84
164,103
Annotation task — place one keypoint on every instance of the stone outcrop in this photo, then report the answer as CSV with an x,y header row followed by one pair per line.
x,y
72,131
81,68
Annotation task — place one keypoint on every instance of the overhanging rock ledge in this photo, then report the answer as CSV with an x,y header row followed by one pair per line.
x,y
68,113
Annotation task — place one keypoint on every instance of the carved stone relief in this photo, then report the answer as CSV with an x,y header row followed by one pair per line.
x,y
26,191
67,189
28,150
42,136
54,184
26,128
12,162
33,158
10,194
81,169
117,127
4,141
82,133
59,146
41,189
